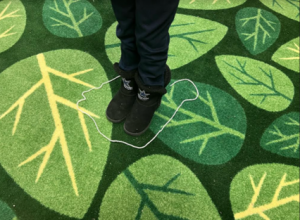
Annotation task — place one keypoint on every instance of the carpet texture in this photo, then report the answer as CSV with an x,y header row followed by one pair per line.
x,y
231,154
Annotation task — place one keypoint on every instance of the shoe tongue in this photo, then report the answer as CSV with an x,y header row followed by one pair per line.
x,y
128,85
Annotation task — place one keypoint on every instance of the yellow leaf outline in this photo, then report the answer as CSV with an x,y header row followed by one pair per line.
x,y
214,2
6,33
275,203
8,15
59,134
296,50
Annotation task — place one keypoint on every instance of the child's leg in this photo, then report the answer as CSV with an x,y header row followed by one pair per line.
x,y
123,100
125,14
153,20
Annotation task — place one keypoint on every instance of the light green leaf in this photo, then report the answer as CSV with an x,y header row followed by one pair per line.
x,y
190,38
258,29
157,187
6,213
288,8
46,143
71,18
12,23
259,83
210,130
266,191
282,137
288,55
210,4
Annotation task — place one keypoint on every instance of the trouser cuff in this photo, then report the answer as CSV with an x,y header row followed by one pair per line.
x,y
154,89
123,73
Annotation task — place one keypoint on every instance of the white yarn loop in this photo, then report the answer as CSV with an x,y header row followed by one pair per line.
x,y
123,142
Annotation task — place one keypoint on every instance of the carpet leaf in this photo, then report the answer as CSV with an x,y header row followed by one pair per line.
x,y
157,187
6,213
258,29
201,128
288,8
266,191
282,136
46,143
211,4
190,38
12,23
71,19
288,55
259,83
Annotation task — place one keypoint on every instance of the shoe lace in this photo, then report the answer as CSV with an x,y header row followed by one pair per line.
x,y
163,127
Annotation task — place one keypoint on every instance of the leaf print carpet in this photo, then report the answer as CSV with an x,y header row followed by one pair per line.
x,y
231,154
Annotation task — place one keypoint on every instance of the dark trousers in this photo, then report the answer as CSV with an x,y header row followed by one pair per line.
x,y
143,28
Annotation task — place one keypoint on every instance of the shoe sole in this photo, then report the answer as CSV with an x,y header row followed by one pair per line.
x,y
113,120
136,134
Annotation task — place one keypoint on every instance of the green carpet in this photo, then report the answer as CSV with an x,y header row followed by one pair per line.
x,y
231,154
